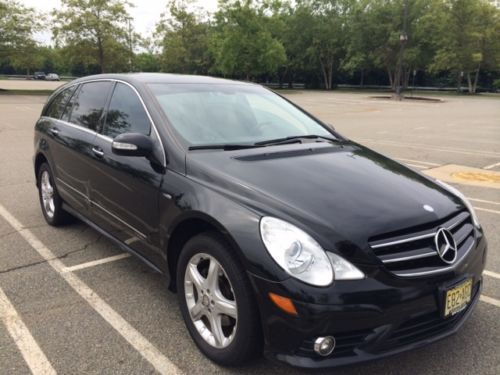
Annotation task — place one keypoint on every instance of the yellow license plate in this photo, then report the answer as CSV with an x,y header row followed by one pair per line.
x,y
457,298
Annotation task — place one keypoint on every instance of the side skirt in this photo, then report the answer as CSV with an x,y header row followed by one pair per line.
x,y
113,239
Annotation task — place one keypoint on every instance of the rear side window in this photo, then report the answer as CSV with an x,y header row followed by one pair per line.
x,y
89,105
58,104
126,113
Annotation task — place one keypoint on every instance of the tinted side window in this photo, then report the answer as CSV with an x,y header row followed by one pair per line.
x,y
69,106
126,113
88,107
58,104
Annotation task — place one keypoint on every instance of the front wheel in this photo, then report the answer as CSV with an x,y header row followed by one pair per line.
x,y
217,301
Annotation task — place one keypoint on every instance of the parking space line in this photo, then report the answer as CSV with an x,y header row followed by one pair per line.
x,y
487,210
417,166
482,201
420,162
426,147
31,352
491,274
96,262
491,301
160,362
491,166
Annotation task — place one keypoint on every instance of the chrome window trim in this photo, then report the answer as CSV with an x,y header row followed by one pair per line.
x,y
105,137
140,99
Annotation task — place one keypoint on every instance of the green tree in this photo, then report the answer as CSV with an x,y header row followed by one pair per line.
x,y
183,37
468,39
96,29
242,44
17,26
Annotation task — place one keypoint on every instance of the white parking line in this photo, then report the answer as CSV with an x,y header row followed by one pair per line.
x,y
487,210
161,363
482,201
419,162
491,166
31,352
96,262
491,301
491,274
417,166
426,147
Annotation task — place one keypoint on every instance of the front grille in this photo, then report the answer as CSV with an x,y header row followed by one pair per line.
x,y
413,252
345,343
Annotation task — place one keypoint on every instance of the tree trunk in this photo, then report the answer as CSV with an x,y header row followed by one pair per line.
x,y
469,82
325,76
101,54
476,78
459,82
391,79
330,75
406,82
362,78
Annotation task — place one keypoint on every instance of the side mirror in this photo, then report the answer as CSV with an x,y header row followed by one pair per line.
x,y
132,144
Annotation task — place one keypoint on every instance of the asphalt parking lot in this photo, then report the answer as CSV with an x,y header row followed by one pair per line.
x,y
70,302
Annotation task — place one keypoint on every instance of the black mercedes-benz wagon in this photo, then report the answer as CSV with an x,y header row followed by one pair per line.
x,y
279,235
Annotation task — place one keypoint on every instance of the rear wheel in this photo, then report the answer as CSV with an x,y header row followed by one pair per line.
x,y
50,201
217,301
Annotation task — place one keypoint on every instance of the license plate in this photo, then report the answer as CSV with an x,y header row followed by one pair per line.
x,y
457,298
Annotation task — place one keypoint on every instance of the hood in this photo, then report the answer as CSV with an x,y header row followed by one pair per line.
x,y
338,193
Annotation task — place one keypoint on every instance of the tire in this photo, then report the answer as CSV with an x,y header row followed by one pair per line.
x,y
50,200
241,329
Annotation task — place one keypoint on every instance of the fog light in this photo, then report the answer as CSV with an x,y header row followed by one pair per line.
x,y
324,345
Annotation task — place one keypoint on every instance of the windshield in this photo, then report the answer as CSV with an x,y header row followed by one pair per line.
x,y
217,114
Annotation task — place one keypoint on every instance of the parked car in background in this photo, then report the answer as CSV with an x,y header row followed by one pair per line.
x,y
39,75
52,77
274,229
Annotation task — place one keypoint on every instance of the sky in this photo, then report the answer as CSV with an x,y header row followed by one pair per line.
x,y
146,13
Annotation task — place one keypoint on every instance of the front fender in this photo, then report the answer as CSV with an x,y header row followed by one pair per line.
x,y
183,198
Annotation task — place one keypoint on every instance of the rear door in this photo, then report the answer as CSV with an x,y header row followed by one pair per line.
x,y
74,134
125,190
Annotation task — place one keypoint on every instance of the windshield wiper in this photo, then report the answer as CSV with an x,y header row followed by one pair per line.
x,y
293,139
270,142
225,147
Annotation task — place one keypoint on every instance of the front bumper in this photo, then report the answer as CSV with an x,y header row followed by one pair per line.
x,y
372,318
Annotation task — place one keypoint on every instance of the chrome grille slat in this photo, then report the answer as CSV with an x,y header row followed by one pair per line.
x,y
405,240
420,255
437,270
450,225
415,254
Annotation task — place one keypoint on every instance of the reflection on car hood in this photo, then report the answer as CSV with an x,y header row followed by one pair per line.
x,y
336,192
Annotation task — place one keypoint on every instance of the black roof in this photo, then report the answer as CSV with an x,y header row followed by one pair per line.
x,y
162,78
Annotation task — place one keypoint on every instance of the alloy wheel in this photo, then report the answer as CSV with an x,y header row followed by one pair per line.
x,y
210,300
47,191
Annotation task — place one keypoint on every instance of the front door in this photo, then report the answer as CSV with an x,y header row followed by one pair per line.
x,y
125,189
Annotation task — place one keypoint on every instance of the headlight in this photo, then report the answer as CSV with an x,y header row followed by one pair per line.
x,y
463,198
301,256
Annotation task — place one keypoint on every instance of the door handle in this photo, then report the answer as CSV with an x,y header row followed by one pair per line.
x,y
98,151
54,131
